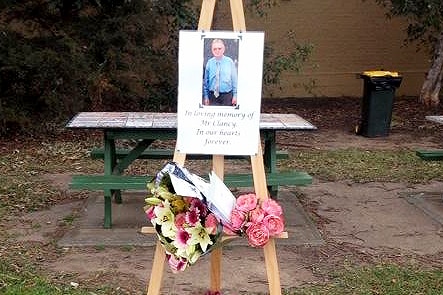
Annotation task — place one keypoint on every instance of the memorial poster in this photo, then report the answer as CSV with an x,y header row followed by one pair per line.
x,y
219,92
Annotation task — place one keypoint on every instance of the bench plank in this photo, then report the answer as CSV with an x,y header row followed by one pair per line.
x,y
161,154
430,155
133,182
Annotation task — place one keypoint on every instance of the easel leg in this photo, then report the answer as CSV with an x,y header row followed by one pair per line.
x,y
158,266
216,256
218,165
258,171
272,268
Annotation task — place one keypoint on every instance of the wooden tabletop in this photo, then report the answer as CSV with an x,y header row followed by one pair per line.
x,y
148,120
436,119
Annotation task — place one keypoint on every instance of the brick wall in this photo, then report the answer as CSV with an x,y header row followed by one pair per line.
x,y
349,36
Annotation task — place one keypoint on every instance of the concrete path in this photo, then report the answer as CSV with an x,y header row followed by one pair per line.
x,y
370,218
129,217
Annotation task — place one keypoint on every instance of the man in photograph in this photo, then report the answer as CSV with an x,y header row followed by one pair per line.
x,y
220,78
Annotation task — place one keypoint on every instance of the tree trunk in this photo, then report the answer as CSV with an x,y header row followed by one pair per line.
x,y
429,94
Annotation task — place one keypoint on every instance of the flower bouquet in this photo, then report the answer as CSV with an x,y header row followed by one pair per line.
x,y
257,220
180,214
189,215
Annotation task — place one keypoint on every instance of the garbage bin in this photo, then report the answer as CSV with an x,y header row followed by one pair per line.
x,y
378,99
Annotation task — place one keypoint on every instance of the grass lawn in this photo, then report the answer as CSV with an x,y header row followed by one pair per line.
x,y
23,189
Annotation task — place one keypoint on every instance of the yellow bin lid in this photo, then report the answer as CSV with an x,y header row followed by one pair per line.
x,y
380,73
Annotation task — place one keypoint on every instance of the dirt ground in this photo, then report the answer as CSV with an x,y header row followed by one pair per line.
x,y
360,223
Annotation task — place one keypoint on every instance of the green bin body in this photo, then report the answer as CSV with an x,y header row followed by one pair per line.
x,y
377,103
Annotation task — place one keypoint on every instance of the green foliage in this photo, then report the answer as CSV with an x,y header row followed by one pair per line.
x,y
292,60
37,79
60,57
425,17
277,64
260,7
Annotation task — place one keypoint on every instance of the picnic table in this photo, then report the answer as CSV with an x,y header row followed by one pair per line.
x,y
147,127
431,155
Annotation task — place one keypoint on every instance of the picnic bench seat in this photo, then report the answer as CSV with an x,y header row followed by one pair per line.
x,y
162,154
430,155
138,182
116,183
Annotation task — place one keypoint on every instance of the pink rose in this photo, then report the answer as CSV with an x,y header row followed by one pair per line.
x,y
258,234
211,223
274,224
237,219
256,215
271,207
246,202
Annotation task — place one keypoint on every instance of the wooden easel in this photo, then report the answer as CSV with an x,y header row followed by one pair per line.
x,y
259,177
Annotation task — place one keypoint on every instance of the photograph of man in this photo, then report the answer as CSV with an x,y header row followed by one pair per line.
x,y
220,78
